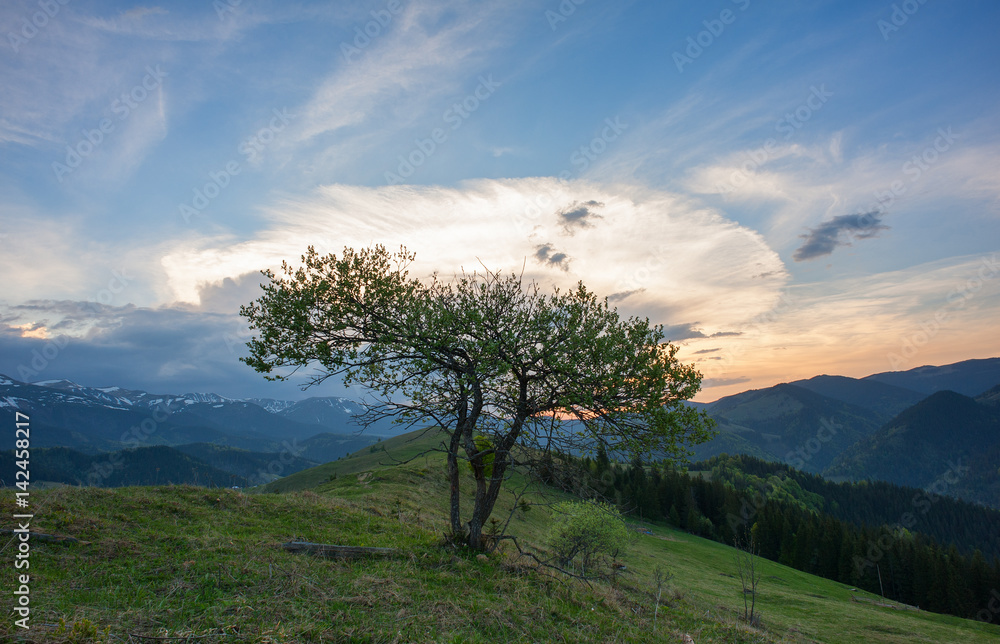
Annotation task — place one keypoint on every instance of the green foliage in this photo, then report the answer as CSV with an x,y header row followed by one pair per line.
x,y
484,444
81,632
586,532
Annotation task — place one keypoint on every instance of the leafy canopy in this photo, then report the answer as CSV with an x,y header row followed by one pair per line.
x,y
482,355
529,355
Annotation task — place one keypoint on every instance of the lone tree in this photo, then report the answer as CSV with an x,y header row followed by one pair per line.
x,y
483,355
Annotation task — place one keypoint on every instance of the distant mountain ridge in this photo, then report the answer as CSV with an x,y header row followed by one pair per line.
x,y
831,425
103,419
884,399
838,426
969,378
790,424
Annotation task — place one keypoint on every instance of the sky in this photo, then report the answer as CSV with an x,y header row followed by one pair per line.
x,y
789,188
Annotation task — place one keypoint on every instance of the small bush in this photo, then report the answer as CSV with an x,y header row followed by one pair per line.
x,y
589,534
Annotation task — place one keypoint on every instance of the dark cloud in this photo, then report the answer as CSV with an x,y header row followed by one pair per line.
x,y
707,351
579,216
678,332
166,350
546,254
722,382
621,295
838,231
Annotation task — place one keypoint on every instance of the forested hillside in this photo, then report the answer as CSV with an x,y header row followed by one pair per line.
x,y
931,551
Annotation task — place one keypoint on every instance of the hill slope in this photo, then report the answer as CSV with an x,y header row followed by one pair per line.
x,y
948,440
792,424
184,561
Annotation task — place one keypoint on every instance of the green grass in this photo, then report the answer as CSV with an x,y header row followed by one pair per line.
x,y
379,456
175,561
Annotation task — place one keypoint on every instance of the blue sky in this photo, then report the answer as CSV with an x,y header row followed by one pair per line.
x,y
790,190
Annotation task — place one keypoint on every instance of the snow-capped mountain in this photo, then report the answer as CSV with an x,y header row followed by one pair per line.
x,y
105,418
125,398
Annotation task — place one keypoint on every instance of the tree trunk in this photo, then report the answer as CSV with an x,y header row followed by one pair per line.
x,y
480,512
453,478
486,495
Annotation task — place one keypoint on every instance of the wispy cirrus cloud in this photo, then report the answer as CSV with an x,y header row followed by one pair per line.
x,y
418,62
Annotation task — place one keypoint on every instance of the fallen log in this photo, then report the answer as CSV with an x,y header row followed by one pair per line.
x,y
337,552
41,536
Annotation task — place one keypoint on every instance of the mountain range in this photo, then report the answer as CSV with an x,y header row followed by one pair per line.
x,y
909,428
936,428
197,436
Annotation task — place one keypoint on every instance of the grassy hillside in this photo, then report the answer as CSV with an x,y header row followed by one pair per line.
x,y
179,561
381,455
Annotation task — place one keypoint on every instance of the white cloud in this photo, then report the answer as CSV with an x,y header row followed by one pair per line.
x,y
684,264
803,185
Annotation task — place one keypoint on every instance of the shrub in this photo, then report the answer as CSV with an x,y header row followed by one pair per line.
x,y
587,533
